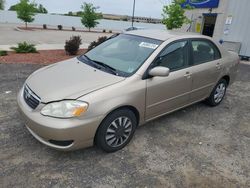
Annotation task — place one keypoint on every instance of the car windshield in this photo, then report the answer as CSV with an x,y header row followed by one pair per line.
x,y
123,53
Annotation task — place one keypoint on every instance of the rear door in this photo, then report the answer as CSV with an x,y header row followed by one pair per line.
x,y
165,94
206,67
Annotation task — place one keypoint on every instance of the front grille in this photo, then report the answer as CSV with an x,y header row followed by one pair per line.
x,y
30,97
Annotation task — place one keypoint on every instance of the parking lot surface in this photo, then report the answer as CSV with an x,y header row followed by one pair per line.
x,y
198,146
43,39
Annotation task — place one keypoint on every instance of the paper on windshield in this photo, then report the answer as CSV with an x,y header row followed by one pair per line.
x,y
148,45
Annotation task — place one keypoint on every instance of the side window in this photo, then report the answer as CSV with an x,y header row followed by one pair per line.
x,y
174,56
204,51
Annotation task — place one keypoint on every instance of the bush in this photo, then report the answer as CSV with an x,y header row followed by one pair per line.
x,y
60,27
96,43
104,31
44,26
3,53
24,47
110,31
73,28
72,45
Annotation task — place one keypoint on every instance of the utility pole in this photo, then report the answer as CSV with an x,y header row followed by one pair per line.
x,y
133,15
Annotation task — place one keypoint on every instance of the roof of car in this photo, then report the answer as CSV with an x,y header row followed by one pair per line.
x,y
162,34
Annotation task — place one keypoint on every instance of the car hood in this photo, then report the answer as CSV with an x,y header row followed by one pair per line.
x,y
68,79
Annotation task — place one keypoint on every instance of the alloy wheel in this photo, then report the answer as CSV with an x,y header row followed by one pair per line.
x,y
219,92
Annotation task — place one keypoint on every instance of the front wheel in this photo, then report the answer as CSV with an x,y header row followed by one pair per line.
x,y
218,93
116,130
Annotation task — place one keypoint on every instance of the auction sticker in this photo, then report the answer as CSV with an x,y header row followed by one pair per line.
x,y
148,45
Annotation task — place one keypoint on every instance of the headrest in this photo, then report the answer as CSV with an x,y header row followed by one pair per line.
x,y
203,48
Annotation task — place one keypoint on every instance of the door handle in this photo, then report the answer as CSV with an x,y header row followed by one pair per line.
x,y
218,66
188,75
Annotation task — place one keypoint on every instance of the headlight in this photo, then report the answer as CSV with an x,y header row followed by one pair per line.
x,y
65,109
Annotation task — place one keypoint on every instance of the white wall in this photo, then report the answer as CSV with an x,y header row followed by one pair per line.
x,y
69,21
239,30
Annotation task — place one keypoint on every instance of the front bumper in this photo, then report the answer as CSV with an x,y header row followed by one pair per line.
x,y
50,131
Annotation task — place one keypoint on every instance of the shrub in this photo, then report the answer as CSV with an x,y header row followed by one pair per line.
x,y
72,45
104,31
96,43
73,28
24,47
44,26
3,53
60,27
110,31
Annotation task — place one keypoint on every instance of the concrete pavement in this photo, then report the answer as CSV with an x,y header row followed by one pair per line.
x,y
43,39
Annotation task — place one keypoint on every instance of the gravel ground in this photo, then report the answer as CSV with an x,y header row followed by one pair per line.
x,y
198,146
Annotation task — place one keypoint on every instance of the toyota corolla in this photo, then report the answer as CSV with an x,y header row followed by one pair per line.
x,y
102,96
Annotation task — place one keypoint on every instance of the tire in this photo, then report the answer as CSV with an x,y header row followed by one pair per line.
x,y
218,93
116,130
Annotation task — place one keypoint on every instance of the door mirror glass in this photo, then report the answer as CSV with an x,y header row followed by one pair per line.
x,y
159,71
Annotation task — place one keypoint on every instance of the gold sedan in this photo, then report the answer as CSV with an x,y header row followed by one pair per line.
x,y
102,96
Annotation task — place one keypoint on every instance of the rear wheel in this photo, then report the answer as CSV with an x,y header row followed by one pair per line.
x,y
218,93
116,130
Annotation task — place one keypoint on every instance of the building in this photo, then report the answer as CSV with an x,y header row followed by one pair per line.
x,y
224,20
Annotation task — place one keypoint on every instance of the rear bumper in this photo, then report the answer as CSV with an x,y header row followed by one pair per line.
x,y
71,133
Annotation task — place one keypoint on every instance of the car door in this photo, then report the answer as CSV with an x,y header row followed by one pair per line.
x,y
206,68
165,94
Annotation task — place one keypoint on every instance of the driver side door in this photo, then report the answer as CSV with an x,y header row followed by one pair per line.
x,y
166,94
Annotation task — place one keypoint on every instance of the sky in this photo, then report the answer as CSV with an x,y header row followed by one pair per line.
x,y
148,8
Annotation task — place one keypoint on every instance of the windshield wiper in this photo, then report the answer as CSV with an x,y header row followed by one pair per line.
x,y
89,61
111,69
100,65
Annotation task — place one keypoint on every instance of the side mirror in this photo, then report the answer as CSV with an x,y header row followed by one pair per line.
x,y
159,71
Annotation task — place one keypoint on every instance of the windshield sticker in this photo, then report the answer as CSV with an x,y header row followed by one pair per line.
x,y
148,45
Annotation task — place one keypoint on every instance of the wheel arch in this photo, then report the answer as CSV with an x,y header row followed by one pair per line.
x,y
227,78
130,107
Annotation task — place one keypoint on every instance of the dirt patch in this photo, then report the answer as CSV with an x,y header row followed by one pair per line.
x,y
42,57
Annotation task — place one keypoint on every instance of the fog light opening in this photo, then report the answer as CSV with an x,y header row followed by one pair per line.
x,y
61,142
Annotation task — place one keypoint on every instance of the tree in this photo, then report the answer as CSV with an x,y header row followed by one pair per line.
x,y
38,8
174,14
13,7
79,13
89,15
25,11
70,13
2,2
41,9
